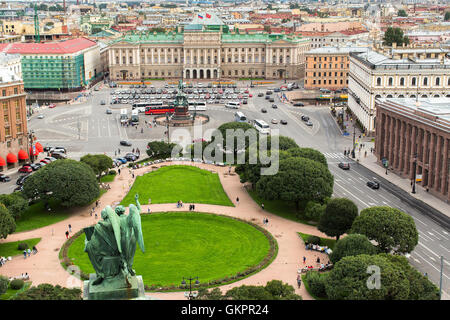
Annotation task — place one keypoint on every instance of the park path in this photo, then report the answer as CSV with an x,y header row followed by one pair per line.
x,y
45,267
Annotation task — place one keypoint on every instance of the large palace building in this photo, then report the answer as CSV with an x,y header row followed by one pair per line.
x,y
206,49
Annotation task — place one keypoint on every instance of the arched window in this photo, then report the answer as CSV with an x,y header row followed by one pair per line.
x,y
378,81
448,81
389,96
425,81
413,81
424,96
402,81
377,97
437,81
436,96
391,81
412,96
447,96
401,96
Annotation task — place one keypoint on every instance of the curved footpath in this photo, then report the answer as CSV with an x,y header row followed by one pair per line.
x,y
45,266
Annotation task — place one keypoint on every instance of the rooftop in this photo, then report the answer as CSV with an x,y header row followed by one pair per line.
x,y
69,46
335,50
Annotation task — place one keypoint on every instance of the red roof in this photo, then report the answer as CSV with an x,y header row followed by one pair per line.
x,y
64,47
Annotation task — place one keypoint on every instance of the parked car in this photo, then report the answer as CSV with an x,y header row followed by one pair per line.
x,y
344,165
18,188
26,169
47,148
125,143
267,97
283,121
274,106
123,160
309,123
305,118
274,121
46,161
271,100
51,106
103,102
260,94
35,166
108,111
58,155
264,110
4,178
373,184
22,179
41,116
131,157
51,159
298,104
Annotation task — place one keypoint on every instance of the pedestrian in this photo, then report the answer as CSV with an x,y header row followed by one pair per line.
x,y
67,234
237,200
262,206
35,250
119,150
133,150
132,175
148,210
299,281
142,130
24,254
70,228
365,154
318,260
119,171
267,221
29,252
345,152
193,207
115,153
304,259
264,221
229,169
96,203
96,215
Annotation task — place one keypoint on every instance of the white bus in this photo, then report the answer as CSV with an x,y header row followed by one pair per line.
x,y
197,106
233,104
140,106
135,116
123,115
261,126
240,117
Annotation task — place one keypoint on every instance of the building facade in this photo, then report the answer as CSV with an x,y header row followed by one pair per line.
x,y
416,132
13,119
328,67
207,51
373,75
71,64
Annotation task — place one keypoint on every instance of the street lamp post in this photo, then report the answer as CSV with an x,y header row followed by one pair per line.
x,y
167,126
354,137
414,171
31,137
191,295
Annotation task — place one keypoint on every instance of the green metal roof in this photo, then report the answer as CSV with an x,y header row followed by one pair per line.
x,y
151,38
259,37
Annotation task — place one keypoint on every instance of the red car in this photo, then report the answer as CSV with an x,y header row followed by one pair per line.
x,y
52,105
250,95
26,169
46,161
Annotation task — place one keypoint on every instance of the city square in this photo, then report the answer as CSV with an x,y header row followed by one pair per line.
x,y
115,185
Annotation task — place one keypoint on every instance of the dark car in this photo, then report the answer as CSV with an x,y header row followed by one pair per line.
x,y
47,148
260,94
274,106
125,143
4,178
305,118
373,184
271,100
244,101
58,155
26,169
264,110
344,165
18,188
108,111
268,92
131,157
276,90
267,97
22,179
123,160
298,104
283,121
35,166
103,102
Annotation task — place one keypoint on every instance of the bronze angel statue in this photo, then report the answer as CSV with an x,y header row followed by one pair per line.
x,y
111,243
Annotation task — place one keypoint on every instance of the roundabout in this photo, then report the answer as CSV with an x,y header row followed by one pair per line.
x,y
217,249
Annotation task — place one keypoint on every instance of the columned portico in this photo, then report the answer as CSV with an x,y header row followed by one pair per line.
x,y
201,73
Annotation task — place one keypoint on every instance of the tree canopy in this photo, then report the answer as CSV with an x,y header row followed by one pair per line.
x,y
352,245
308,153
447,16
338,217
15,203
70,182
357,278
7,223
402,13
394,35
298,179
99,163
392,229
160,149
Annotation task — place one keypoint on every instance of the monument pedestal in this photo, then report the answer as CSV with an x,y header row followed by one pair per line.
x,y
114,289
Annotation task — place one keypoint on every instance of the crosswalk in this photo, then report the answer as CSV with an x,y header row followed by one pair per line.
x,y
335,155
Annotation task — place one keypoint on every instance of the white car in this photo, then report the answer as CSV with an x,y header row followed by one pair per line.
x,y
274,121
41,116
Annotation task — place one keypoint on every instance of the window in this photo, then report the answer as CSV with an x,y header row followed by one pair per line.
x,y
390,81
5,112
4,93
8,133
17,111
438,81
413,81
19,128
402,81
16,91
425,81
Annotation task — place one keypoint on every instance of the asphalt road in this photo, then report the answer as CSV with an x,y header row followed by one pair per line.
x,y
86,128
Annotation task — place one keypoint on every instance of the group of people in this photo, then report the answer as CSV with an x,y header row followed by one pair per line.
x,y
315,247
27,252
265,221
23,276
191,207
180,204
3,260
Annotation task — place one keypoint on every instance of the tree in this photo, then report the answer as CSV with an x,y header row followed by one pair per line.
x,y
4,283
298,179
338,217
7,223
233,126
308,153
394,35
70,182
316,283
402,13
160,149
392,229
99,163
420,287
447,16
366,277
102,6
352,245
214,294
47,291
15,203
284,143
314,210
269,6
281,291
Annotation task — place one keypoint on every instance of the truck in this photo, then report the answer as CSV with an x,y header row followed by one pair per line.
x,y
123,116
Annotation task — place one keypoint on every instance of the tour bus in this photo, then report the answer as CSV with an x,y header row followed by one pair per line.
x,y
135,116
233,104
240,117
197,106
123,115
261,126
140,106
159,109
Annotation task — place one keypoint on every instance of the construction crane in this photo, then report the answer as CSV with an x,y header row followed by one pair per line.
x,y
37,37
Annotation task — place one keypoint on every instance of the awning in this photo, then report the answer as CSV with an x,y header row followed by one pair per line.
x,y
2,162
22,155
36,151
39,147
11,158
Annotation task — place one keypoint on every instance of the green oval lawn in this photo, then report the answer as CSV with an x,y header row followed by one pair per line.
x,y
183,244
173,183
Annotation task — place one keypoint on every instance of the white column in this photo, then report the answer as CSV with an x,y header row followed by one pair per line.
x,y
153,57
219,59
284,56
246,55
171,59
120,56
127,60
159,56
165,55
206,56
253,55
145,56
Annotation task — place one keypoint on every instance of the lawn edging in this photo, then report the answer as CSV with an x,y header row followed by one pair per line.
x,y
264,263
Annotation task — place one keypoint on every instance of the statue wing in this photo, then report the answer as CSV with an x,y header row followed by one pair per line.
x,y
115,223
134,220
